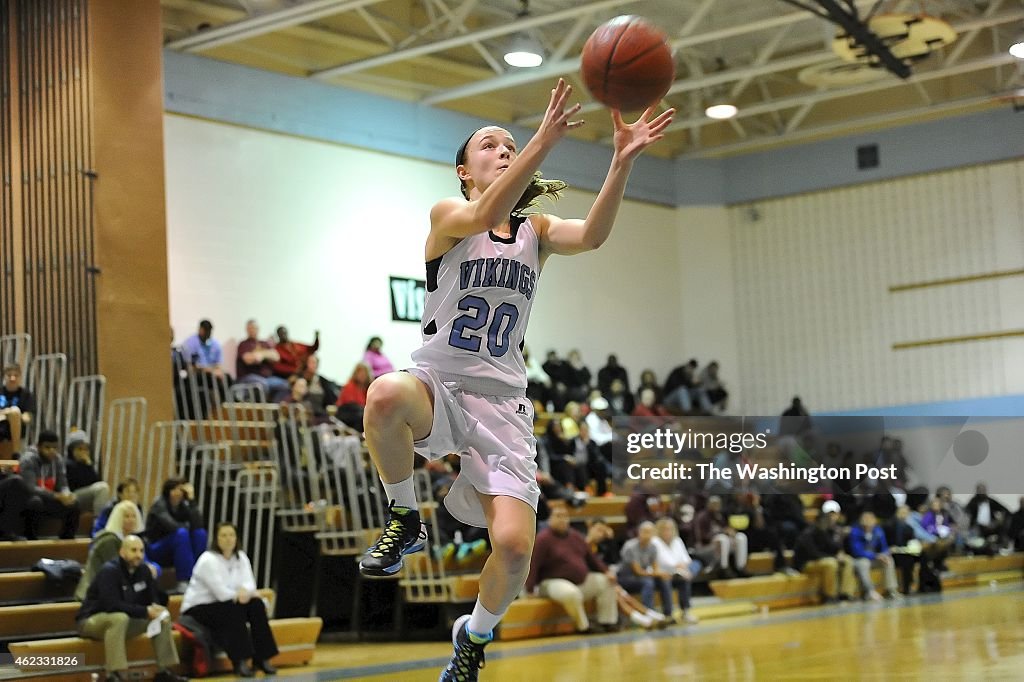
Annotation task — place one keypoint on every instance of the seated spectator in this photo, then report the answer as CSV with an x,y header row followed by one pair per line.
x,y
601,540
538,383
89,489
797,420
222,596
609,373
204,351
761,529
352,399
601,431
254,364
455,539
175,530
937,521
598,467
119,605
785,513
559,371
375,359
675,561
639,571
1017,526
730,545
648,407
560,440
819,552
43,471
564,569
989,520
127,489
577,378
713,386
682,390
641,507
292,355
17,405
620,400
14,500
124,520
320,391
869,549
649,380
911,546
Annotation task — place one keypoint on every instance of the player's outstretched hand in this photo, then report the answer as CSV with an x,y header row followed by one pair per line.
x,y
557,118
633,138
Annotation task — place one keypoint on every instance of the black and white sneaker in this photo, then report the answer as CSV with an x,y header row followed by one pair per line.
x,y
403,534
468,657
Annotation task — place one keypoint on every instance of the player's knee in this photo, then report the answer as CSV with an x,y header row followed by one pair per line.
x,y
515,547
387,396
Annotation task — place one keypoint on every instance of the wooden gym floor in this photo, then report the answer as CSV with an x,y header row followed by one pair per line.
x,y
975,634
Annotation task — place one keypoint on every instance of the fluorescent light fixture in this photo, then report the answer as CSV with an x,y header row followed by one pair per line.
x,y
524,52
720,112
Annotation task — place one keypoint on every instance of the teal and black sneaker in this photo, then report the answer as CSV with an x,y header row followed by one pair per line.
x,y
403,534
468,657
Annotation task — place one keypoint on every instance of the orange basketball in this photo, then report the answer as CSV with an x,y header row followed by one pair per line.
x,y
627,64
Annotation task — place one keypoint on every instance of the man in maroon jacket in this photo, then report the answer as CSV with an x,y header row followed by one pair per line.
x,y
566,570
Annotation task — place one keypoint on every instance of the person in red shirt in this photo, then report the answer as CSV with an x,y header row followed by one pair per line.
x,y
566,570
352,400
292,354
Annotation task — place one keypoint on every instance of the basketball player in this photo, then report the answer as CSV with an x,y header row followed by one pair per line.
x,y
467,392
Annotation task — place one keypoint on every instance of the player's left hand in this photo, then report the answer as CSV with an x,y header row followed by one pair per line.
x,y
633,138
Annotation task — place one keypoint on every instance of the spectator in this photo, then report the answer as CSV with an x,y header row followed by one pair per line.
x,y
43,471
640,508
955,515
682,389
620,400
17,405
119,605
565,570
538,383
222,596
352,400
713,529
648,407
601,539
819,552
648,380
124,520
601,431
598,468
321,391
204,351
292,355
15,497
1017,526
560,374
911,546
675,561
255,364
785,512
869,548
761,527
127,489
91,492
175,530
577,377
609,373
796,419
375,358
989,520
639,570
713,387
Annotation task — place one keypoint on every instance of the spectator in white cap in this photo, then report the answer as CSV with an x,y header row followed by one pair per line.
x,y
818,551
85,483
600,429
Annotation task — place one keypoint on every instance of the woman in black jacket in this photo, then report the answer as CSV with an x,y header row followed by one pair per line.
x,y
175,530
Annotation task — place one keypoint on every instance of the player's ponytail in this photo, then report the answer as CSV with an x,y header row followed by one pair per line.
x,y
538,187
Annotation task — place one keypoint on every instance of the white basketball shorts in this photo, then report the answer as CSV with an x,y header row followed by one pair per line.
x,y
490,425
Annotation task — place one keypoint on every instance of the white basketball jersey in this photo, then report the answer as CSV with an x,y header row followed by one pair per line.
x,y
478,302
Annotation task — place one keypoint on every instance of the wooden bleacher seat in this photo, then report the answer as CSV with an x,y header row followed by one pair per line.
x,y
296,639
23,553
28,586
774,591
